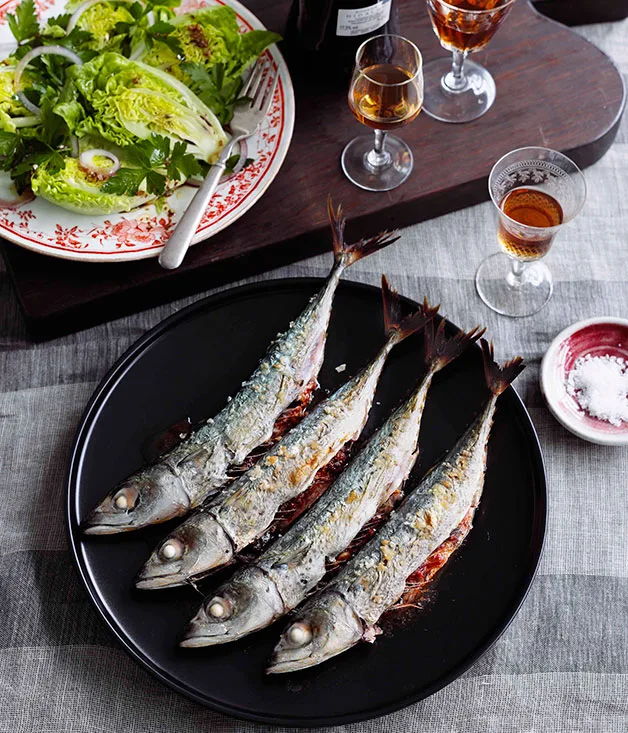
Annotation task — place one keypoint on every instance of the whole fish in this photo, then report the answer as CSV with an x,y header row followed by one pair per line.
x,y
347,610
197,468
288,570
245,510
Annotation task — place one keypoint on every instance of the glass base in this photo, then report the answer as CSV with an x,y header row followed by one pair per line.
x,y
499,290
361,166
447,105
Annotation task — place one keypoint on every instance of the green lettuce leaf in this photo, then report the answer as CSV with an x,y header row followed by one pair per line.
x,y
209,37
10,105
124,101
72,188
101,20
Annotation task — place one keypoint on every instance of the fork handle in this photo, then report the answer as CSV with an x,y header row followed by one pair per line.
x,y
173,253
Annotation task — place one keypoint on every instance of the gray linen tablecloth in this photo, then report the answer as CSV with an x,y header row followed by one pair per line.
x,y
562,666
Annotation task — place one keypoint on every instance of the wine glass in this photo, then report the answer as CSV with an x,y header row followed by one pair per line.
x,y
386,92
536,191
460,90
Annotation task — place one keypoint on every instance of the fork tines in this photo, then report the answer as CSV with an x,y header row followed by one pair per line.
x,y
260,86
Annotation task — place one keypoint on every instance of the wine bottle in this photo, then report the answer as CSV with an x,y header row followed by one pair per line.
x,y
323,35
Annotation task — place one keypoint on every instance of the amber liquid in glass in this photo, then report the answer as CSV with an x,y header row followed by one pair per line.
x,y
380,99
458,30
533,208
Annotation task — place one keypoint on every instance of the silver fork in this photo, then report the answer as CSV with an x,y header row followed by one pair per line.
x,y
260,87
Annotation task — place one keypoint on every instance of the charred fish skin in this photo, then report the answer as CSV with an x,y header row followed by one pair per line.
x,y
197,468
375,578
245,510
296,562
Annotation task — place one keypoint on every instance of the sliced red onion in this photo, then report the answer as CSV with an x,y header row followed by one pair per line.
x,y
24,198
28,104
87,161
25,61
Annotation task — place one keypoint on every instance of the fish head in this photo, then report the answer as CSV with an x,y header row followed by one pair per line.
x,y
151,496
246,603
194,548
325,627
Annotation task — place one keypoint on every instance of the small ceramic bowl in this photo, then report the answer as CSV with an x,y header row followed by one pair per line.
x,y
595,336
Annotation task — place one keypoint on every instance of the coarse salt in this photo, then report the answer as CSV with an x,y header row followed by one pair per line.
x,y
599,384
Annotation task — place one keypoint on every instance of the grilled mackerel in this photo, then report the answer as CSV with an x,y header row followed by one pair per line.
x,y
245,510
347,610
197,468
287,571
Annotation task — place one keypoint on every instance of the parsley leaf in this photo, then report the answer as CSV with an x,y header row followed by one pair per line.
x,y
9,143
182,163
160,31
233,160
210,86
52,159
157,161
24,24
125,181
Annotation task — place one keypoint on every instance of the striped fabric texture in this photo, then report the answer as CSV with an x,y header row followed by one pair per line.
x,y
561,667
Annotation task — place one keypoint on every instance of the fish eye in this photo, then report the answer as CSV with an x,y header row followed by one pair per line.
x,y
219,608
171,550
124,500
299,634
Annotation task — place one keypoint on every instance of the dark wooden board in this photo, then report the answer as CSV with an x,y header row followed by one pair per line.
x,y
579,12
544,97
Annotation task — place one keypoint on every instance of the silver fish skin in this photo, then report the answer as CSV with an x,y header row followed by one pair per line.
x,y
338,617
296,562
197,468
246,509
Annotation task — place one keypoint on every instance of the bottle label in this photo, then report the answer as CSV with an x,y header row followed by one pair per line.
x,y
361,21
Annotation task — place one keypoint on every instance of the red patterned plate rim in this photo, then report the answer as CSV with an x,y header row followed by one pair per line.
x,y
142,233
596,336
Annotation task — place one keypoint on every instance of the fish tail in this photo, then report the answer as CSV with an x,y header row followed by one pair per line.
x,y
441,349
346,254
397,325
499,377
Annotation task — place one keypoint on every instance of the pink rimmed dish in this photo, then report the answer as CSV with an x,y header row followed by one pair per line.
x,y
595,336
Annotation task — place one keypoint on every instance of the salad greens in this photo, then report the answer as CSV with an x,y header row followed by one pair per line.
x,y
123,100
73,188
117,102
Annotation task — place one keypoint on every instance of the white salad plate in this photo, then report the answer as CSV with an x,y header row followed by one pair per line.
x,y
40,226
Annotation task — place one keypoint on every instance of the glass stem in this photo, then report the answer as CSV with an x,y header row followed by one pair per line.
x,y
378,157
455,80
515,276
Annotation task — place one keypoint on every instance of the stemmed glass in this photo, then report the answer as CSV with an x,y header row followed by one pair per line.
x,y
536,191
460,90
386,92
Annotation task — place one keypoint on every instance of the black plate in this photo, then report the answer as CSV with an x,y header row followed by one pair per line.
x,y
186,367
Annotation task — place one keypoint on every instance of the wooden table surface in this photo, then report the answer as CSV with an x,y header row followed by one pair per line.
x,y
553,89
